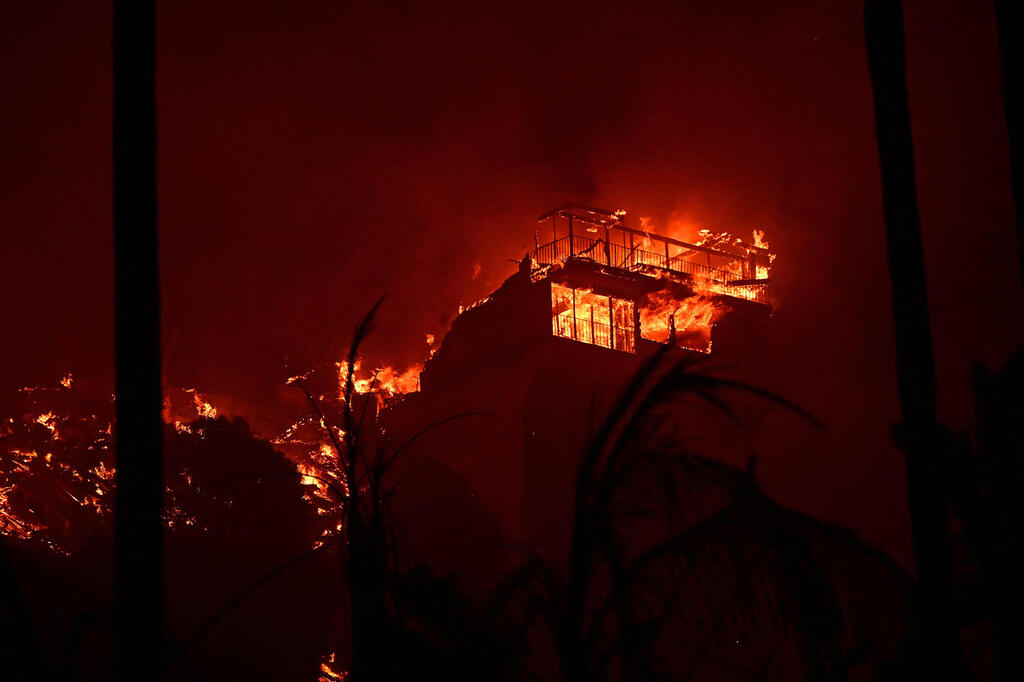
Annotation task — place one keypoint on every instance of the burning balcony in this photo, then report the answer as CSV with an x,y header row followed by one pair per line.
x,y
669,291
720,264
584,316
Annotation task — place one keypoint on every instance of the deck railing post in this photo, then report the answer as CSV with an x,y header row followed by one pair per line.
x,y
574,335
611,320
593,333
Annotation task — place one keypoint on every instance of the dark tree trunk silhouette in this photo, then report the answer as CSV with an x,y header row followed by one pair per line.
x,y
1009,27
138,565
883,25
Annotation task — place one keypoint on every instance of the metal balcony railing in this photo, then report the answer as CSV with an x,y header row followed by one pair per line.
x,y
600,251
595,333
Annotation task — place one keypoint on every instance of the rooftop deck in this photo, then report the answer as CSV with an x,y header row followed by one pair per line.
x,y
601,236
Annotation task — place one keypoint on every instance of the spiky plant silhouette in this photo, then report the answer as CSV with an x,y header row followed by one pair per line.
x,y
396,604
650,560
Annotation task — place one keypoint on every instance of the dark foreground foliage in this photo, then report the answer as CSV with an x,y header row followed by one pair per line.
x,y
680,567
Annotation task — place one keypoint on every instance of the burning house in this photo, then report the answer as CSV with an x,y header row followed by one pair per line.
x,y
527,375
585,307
601,283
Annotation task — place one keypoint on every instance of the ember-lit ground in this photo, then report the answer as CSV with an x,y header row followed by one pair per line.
x,y
316,156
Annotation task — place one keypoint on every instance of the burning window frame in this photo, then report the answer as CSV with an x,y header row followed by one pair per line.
x,y
613,327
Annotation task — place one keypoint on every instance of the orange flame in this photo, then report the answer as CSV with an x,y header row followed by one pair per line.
x,y
693,318
48,420
328,673
203,408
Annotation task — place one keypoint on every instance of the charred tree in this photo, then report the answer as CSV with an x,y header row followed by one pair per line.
x,y
1009,25
138,563
883,27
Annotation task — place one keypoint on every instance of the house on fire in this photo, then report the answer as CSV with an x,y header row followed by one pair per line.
x,y
601,283
524,377
569,327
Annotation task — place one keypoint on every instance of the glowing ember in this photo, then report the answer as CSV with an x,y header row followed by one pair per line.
x,y
328,673
203,408
104,472
49,421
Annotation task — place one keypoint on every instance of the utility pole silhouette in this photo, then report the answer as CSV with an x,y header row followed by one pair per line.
x,y
138,561
941,649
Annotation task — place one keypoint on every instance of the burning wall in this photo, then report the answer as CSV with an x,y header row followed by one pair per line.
x,y
687,322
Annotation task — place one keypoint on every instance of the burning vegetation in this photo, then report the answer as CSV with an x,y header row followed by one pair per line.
x,y
57,472
57,445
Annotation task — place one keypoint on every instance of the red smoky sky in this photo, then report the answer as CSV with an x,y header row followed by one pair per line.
x,y
317,155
